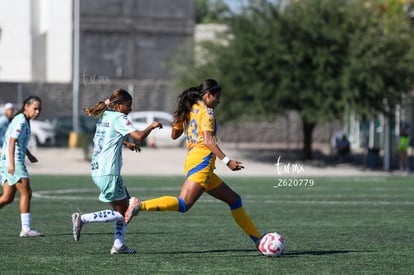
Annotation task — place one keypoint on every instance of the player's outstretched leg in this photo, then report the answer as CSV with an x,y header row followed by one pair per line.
x,y
243,220
164,203
224,193
79,219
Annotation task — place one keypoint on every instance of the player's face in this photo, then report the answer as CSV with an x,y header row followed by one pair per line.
x,y
9,113
32,110
212,100
125,107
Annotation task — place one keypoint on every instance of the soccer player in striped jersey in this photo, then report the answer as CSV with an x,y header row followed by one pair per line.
x,y
112,128
195,118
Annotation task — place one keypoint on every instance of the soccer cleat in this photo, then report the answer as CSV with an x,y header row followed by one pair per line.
x,y
30,234
122,250
133,209
257,243
77,225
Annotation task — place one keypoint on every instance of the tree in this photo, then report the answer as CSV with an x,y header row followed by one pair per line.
x,y
211,11
380,57
318,57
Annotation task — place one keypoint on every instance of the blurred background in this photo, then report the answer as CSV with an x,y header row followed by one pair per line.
x,y
315,80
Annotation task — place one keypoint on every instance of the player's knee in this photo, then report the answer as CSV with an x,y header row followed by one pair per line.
x,y
182,206
6,200
237,204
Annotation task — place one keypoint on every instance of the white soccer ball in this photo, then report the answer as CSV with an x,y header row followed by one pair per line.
x,y
272,244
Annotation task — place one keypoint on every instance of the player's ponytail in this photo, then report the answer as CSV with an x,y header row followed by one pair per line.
x,y
118,96
189,97
96,110
186,101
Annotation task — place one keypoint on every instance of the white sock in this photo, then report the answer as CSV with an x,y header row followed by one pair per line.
x,y
26,221
119,234
102,216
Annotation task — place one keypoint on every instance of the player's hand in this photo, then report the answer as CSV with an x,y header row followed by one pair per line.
x,y
132,146
235,165
10,170
156,124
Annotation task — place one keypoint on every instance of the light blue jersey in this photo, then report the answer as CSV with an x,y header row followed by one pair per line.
x,y
111,129
19,128
4,124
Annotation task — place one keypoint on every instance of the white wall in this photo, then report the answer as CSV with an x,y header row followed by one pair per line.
x,y
59,44
21,22
15,41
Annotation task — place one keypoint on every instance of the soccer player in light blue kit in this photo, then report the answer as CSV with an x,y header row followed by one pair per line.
x,y
13,169
112,128
5,120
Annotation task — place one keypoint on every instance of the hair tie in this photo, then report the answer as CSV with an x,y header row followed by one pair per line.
x,y
107,101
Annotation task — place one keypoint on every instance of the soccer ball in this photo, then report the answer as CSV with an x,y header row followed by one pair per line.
x,y
272,245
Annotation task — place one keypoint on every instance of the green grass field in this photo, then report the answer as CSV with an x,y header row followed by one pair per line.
x,y
337,226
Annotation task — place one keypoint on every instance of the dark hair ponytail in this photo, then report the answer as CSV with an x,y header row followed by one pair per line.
x,y
186,101
189,97
117,96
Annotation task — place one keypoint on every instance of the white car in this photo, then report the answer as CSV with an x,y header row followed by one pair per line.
x,y
43,133
158,137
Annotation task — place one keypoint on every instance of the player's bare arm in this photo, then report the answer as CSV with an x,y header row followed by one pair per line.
x,y
209,141
12,149
141,135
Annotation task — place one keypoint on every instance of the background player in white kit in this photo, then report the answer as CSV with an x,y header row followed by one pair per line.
x,y
111,130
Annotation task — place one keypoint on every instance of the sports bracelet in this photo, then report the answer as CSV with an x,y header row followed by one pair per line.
x,y
225,160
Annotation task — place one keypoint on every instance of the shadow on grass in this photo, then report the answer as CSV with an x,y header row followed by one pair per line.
x,y
254,253
322,252
224,251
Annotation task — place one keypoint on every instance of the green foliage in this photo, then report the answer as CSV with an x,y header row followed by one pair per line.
x,y
211,11
380,57
318,57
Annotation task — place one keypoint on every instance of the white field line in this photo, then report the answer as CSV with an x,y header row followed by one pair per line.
x,y
64,194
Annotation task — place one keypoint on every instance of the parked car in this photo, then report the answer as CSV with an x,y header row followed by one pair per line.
x,y
158,137
64,126
43,133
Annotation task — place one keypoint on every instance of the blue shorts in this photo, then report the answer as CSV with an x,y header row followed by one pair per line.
x,y
112,188
20,172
